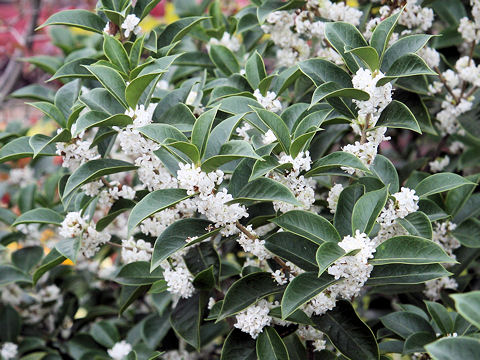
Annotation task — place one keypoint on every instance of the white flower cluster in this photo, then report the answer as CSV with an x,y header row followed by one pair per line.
x,y
321,303
443,237
8,350
380,96
430,55
433,288
76,153
468,71
368,114
254,246
413,16
120,350
337,11
458,104
333,196
129,138
406,202
254,318
178,277
470,29
74,225
227,40
139,250
21,176
301,187
208,202
309,333
439,164
354,269
292,48
153,174
269,101
130,24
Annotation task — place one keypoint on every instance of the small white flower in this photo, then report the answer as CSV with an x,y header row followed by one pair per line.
x,y
269,101
130,24
439,164
333,196
120,350
9,350
254,318
139,250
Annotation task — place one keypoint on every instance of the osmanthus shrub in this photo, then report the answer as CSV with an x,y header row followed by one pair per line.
x,y
295,180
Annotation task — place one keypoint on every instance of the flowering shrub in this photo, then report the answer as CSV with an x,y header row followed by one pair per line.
x,y
294,181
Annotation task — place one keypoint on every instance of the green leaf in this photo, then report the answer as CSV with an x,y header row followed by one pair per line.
x,y
321,70
398,115
116,53
51,111
7,216
270,345
154,202
231,150
138,273
53,259
20,148
336,160
174,238
105,333
247,291
367,209
186,318
382,33
438,183
448,348
407,44
136,52
331,89
255,70
111,80
417,341
346,202
468,233
47,63
74,69
405,66
201,129
187,148
327,254
468,305
12,324
177,30
34,92
309,225
162,132
39,216
302,289
343,35
221,134
405,323
441,316
276,5
39,142
277,125
405,274
69,248
82,19
265,189
100,100
293,248
368,55
27,258
417,224
11,274
350,335
98,119
224,59
238,346
93,170
409,250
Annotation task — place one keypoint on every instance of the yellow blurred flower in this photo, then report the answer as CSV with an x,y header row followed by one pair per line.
x,y
170,14
352,3
43,127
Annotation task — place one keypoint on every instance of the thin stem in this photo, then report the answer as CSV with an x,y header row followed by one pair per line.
x,y
444,82
251,236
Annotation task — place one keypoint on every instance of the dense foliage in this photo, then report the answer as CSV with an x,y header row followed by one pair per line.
x,y
296,180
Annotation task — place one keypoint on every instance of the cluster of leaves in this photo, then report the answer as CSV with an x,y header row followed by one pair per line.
x,y
123,73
